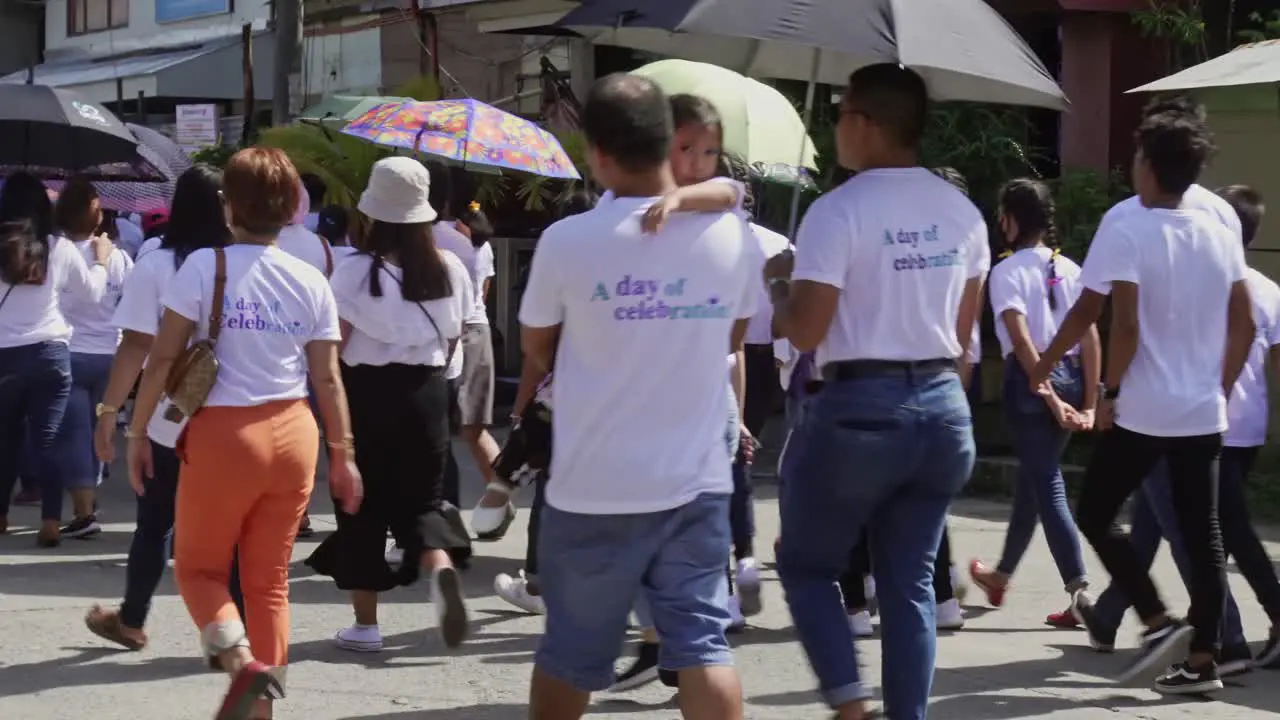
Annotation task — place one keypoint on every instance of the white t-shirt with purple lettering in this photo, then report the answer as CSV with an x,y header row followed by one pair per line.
x,y
900,243
274,306
641,311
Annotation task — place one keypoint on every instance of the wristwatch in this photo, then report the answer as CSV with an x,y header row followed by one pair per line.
x,y
1108,393
101,410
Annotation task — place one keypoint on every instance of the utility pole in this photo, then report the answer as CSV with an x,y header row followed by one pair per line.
x,y
246,70
288,28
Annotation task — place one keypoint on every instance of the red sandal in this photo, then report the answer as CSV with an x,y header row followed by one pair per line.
x,y
979,574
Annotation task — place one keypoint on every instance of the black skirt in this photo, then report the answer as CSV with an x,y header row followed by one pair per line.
x,y
400,419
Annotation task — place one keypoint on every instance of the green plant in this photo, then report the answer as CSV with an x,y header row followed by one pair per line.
x,y
215,155
1181,23
1082,197
986,143
343,162
1268,27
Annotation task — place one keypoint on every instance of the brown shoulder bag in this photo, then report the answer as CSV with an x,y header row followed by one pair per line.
x,y
196,369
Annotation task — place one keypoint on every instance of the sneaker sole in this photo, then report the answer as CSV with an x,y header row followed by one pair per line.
x,y
82,533
749,599
513,602
1270,660
1199,688
640,679
358,646
1173,646
501,531
1234,668
453,616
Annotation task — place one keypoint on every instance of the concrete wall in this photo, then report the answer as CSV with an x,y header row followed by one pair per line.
x,y
19,36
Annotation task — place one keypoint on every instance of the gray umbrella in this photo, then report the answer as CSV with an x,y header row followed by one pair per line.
x,y
963,48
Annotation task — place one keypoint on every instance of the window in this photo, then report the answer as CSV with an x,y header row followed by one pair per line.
x,y
89,16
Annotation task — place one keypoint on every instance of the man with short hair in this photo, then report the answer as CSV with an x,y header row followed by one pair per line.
x,y
1181,329
639,500
887,287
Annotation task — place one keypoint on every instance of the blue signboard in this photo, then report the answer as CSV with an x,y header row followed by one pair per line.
x,y
170,11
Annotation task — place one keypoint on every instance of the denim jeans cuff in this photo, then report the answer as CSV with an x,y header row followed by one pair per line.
x,y
1076,585
845,694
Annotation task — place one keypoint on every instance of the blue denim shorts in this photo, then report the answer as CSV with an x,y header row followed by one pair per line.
x,y
593,567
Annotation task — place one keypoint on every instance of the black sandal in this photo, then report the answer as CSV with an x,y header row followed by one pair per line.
x,y
106,625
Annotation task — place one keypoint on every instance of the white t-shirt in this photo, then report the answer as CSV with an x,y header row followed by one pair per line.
x,y
1247,409
478,261
641,311
312,221
1184,263
274,305
304,245
131,236
1197,197
32,313
900,244
1020,283
148,245
92,329
390,329
139,310
760,327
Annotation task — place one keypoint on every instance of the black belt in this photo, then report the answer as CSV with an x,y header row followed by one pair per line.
x,y
853,369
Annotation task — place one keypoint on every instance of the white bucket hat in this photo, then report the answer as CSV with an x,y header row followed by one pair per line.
x,y
398,192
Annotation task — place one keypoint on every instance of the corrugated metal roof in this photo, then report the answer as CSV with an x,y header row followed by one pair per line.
x,y
83,72
1253,64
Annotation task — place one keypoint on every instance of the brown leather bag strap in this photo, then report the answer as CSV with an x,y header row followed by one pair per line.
x,y
219,294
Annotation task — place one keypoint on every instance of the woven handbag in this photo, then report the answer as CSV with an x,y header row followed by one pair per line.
x,y
196,369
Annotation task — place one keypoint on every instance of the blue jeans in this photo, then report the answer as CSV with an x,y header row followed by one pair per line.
x,y
1153,518
886,453
1041,492
149,549
77,462
35,381
593,567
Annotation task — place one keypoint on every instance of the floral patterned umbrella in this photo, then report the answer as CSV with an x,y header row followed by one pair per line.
x,y
467,131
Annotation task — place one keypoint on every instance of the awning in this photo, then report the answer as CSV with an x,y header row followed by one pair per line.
x,y
209,71
1254,64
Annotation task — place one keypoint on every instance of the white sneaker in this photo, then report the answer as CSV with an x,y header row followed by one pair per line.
x,y
450,607
747,578
395,556
491,523
860,624
737,622
950,616
515,590
359,638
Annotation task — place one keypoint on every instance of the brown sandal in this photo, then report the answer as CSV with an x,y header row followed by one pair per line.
x,y
106,625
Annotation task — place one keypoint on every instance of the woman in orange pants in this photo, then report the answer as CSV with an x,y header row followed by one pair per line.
x,y
249,453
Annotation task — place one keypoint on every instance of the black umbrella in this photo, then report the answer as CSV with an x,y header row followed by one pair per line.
x,y
963,48
54,133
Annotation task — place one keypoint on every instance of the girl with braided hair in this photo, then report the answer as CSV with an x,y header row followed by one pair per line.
x,y
1031,291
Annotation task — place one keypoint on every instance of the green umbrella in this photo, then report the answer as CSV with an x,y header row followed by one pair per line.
x,y
760,125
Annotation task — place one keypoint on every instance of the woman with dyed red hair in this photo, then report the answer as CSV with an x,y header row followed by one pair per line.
x,y
249,450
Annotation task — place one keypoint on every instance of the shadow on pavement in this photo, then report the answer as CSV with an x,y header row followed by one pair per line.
x,y
469,712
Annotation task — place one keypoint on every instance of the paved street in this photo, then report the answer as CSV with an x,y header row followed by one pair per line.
x,y
1005,664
